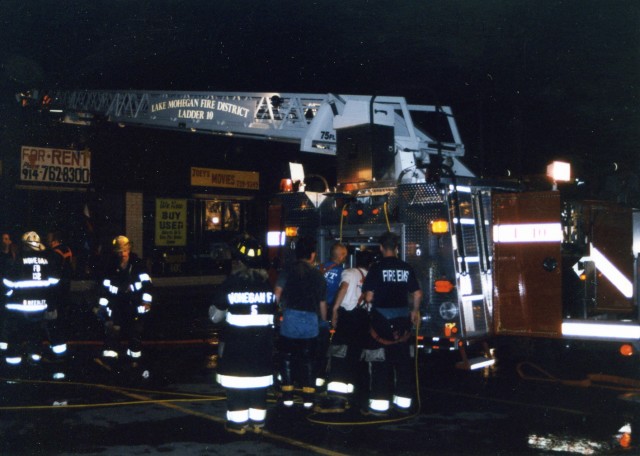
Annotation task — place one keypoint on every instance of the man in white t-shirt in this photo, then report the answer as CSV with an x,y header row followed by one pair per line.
x,y
350,321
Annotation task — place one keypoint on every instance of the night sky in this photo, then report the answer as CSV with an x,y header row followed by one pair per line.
x,y
528,81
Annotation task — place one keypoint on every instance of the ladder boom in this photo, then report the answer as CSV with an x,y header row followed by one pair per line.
x,y
310,120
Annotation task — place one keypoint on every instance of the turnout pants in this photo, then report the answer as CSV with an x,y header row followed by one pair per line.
x,y
346,350
298,367
24,333
244,405
125,324
391,375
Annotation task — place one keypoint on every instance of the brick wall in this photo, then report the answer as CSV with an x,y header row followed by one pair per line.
x,y
133,220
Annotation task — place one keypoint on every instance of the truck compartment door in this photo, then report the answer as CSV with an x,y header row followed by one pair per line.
x,y
527,235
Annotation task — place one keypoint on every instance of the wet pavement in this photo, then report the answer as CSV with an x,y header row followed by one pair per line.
x,y
535,407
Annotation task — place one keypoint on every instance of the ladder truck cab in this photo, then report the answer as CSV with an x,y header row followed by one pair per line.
x,y
494,261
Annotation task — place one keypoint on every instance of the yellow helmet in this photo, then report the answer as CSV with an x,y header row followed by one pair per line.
x,y
120,244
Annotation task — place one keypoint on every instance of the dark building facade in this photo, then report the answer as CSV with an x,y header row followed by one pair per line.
x,y
180,197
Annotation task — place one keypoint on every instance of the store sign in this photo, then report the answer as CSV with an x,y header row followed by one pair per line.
x,y
60,166
207,177
171,222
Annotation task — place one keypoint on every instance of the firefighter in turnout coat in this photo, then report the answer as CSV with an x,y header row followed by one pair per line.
x,y
125,301
246,303
29,301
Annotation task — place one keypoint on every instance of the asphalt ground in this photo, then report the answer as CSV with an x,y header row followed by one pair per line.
x,y
513,408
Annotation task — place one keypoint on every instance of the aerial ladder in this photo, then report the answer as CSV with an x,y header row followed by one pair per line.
x,y
314,121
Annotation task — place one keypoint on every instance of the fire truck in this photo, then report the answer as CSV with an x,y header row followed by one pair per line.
x,y
494,260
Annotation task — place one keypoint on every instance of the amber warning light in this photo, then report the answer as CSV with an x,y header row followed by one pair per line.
x,y
291,231
439,226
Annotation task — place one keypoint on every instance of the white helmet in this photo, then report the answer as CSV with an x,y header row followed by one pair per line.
x,y
32,240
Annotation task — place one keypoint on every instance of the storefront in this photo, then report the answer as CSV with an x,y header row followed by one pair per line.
x,y
183,230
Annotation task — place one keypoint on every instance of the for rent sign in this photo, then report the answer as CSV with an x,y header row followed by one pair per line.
x,y
64,166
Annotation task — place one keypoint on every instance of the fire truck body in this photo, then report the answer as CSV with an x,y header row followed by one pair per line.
x,y
444,233
526,265
566,269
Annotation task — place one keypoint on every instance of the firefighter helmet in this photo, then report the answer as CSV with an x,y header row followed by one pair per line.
x,y
248,250
32,240
120,244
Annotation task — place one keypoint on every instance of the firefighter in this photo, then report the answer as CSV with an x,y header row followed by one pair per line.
x,y
62,259
350,320
245,367
301,292
8,253
332,272
389,286
125,301
29,302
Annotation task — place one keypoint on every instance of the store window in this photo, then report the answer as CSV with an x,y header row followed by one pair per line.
x,y
219,223
222,216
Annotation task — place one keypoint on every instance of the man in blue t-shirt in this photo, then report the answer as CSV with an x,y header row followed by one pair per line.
x,y
332,271
389,287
